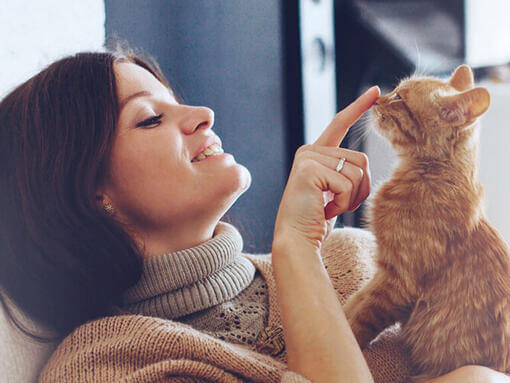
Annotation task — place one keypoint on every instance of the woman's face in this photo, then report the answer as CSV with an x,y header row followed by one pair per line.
x,y
152,183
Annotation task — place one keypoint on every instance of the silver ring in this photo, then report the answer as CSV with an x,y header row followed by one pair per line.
x,y
340,164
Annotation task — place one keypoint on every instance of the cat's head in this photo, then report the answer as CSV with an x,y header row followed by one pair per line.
x,y
426,116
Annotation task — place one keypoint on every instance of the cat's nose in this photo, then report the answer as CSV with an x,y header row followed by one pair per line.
x,y
376,102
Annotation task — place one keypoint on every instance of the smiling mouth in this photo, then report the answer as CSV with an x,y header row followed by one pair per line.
x,y
213,150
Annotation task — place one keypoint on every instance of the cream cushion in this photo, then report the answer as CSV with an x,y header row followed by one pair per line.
x,y
21,358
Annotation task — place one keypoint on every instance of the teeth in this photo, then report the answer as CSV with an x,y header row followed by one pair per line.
x,y
208,151
212,150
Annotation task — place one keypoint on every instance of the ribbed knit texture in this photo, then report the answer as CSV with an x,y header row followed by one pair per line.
x,y
135,348
186,281
205,287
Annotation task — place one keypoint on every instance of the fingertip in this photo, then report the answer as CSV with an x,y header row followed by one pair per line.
x,y
375,94
370,96
374,90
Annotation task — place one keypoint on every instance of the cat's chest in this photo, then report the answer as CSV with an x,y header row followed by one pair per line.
x,y
419,206
407,217
398,204
414,225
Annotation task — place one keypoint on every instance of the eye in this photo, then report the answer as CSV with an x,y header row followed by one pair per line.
x,y
395,97
152,121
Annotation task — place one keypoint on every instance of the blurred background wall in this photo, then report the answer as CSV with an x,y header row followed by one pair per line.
x,y
34,33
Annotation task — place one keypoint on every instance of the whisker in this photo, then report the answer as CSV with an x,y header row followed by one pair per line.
x,y
417,69
360,131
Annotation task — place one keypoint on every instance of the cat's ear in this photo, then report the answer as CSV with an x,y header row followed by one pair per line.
x,y
464,107
462,79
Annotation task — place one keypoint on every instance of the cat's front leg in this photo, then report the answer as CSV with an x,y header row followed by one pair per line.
x,y
378,305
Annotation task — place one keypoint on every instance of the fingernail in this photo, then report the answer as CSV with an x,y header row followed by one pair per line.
x,y
371,89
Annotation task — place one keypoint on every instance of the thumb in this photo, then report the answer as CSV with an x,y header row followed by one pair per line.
x,y
332,210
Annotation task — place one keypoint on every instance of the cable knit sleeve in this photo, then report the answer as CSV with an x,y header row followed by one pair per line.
x,y
349,257
387,359
138,349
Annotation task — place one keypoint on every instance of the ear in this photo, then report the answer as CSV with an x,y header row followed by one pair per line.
x,y
464,107
462,79
102,198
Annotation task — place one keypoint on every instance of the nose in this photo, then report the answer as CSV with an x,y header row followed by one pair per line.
x,y
199,117
376,102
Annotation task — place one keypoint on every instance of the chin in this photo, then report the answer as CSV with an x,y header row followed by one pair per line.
x,y
382,128
236,189
235,182
244,179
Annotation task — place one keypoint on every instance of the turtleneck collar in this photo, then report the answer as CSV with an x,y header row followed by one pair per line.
x,y
186,281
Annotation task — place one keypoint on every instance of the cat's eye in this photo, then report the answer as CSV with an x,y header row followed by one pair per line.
x,y
395,97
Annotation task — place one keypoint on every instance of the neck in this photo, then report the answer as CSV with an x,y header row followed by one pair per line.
x,y
177,237
192,279
460,159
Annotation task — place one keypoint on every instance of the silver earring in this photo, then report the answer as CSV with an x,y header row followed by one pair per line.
x,y
108,208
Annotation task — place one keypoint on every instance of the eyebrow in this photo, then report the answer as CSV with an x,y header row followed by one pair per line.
x,y
142,93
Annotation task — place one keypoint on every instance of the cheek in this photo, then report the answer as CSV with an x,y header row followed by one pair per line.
x,y
383,122
144,172
391,125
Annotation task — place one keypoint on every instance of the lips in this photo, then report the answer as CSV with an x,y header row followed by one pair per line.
x,y
207,142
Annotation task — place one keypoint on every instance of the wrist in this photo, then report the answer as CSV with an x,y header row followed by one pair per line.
x,y
294,254
288,236
288,243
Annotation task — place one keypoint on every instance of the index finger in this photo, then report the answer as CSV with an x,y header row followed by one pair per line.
x,y
336,130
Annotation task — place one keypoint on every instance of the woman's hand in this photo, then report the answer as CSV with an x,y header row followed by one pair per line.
x,y
319,342
316,193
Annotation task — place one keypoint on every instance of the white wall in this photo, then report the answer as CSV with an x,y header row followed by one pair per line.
x,y
487,28
33,33
494,157
318,70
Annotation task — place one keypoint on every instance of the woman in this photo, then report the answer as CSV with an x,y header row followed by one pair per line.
x,y
112,208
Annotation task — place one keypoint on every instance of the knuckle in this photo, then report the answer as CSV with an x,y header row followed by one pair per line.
x,y
349,187
364,160
359,175
345,190
303,148
307,165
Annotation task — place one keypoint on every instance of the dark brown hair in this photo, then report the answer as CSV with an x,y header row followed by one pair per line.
x,y
63,260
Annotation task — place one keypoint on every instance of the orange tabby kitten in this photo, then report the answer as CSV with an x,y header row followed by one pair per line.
x,y
443,270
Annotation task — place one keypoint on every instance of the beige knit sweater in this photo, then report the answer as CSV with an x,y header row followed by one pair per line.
x,y
135,348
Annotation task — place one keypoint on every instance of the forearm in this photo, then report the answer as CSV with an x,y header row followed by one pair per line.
x,y
320,344
472,374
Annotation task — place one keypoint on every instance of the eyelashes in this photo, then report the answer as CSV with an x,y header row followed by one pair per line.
x,y
150,122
